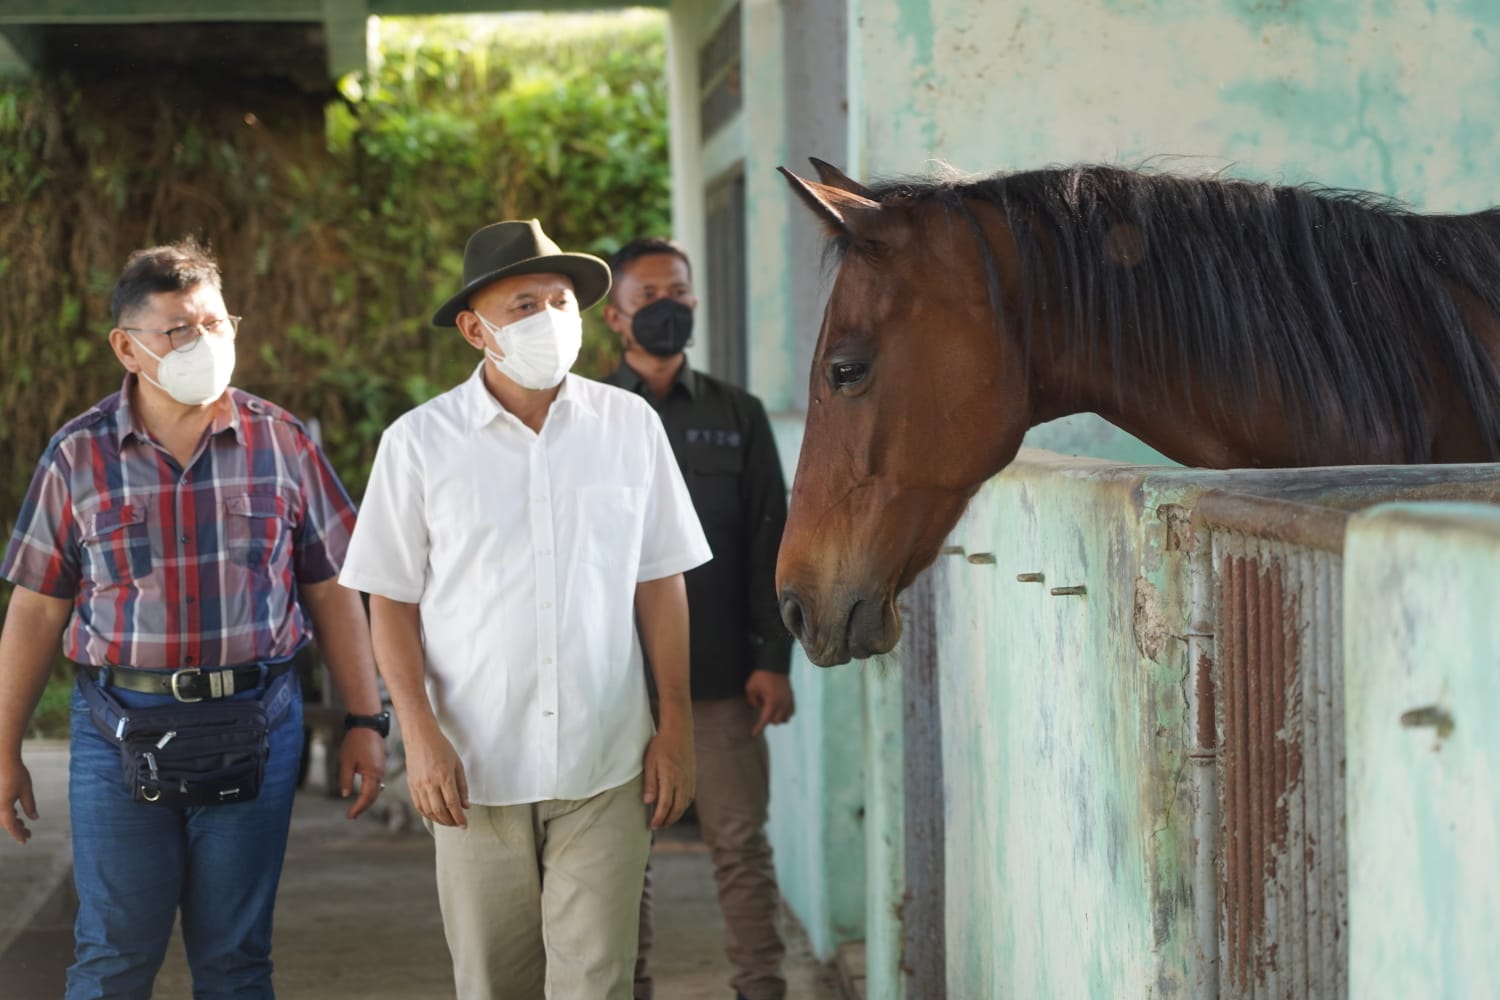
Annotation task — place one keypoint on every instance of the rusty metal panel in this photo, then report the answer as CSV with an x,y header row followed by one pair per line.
x,y
1282,871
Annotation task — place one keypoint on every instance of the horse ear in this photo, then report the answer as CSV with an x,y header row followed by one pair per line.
x,y
843,212
834,177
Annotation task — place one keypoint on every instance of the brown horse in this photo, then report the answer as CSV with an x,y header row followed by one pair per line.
x,y
1223,322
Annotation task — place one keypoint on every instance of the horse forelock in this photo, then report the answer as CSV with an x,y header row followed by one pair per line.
x,y
1346,299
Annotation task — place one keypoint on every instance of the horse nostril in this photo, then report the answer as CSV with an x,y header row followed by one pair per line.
x,y
791,613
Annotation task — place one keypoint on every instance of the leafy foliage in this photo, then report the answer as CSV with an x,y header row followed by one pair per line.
x,y
338,233
339,227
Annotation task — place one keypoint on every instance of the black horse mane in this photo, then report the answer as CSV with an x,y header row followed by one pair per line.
x,y
1346,299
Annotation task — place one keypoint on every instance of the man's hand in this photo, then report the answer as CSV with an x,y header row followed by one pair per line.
x,y
363,754
28,643
670,774
772,694
15,787
435,777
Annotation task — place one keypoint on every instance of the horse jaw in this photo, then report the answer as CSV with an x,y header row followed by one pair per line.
x,y
840,602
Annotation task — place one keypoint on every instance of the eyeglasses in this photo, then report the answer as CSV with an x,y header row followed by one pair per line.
x,y
185,336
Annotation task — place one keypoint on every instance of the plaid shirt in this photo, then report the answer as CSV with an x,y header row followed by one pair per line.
x,y
169,567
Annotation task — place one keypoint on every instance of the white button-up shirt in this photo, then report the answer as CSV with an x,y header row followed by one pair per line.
x,y
523,551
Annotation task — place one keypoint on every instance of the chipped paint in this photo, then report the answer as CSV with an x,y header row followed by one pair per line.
x,y
1372,94
1424,810
1079,757
1152,630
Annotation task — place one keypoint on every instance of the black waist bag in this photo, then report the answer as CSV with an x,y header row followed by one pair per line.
x,y
206,753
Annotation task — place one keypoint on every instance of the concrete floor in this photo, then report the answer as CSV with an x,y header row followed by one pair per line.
x,y
357,914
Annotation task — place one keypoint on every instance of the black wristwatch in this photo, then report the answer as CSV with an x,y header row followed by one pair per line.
x,y
380,723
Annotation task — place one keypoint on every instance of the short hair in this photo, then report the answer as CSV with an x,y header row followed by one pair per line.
x,y
172,267
646,246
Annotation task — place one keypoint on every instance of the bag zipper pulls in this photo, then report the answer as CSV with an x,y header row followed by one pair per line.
x,y
120,727
151,763
166,738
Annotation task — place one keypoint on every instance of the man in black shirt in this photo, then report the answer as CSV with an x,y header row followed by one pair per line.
x,y
741,654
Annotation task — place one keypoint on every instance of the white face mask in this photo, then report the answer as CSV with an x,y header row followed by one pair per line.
x,y
196,375
538,350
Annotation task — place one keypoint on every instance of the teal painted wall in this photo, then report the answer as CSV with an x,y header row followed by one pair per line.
x,y
1063,740
1395,98
1422,585
1069,803
1391,97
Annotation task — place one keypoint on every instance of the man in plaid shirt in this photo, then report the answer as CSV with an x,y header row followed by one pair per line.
x,y
184,539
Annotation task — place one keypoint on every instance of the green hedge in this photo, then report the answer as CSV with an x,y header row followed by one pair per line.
x,y
339,227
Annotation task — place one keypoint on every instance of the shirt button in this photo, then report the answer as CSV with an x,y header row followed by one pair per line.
x,y
547,713
184,539
545,552
547,659
190,598
545,604
541,499
188,660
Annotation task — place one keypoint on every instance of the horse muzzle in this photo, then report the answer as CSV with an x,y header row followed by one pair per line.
x,y
858,626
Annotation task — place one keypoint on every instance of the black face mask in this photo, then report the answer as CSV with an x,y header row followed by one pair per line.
x,y
662,328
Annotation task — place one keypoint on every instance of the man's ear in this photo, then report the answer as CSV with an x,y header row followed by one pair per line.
x,y
612,316
125,350
468,324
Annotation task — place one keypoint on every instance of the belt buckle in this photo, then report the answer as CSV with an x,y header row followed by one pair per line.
x,y
177,676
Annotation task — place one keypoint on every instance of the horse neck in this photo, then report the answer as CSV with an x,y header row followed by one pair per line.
x,y
1170,407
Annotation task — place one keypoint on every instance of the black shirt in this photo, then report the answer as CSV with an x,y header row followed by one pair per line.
x,y
724,447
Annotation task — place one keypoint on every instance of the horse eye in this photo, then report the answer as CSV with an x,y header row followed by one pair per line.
x,y
848,373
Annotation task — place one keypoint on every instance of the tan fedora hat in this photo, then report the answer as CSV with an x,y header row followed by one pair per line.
x,y
508,248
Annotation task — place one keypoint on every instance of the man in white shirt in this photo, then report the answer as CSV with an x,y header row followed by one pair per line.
x,y
515,532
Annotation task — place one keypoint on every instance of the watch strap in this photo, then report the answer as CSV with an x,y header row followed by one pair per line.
x,y
381,723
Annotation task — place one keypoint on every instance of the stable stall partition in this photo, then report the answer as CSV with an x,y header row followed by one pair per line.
x,y
1123,750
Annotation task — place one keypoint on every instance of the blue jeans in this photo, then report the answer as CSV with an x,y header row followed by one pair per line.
x,y
135,864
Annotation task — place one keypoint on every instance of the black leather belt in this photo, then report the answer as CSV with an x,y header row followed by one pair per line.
x,y
190,683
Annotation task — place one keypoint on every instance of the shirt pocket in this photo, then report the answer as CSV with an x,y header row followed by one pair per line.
x,y
712,474
256,529
611,521
117,542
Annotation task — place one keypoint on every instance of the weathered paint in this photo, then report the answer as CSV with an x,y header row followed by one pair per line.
x,y
885,831
1372,94
1423,645
1073,733
1364,93
1054,767
924,946
1396,98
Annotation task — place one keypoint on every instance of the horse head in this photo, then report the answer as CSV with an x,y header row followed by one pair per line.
x,y
917,396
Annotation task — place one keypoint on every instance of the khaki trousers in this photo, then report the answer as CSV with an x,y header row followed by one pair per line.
x,y
542,900
734,792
